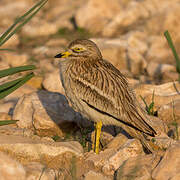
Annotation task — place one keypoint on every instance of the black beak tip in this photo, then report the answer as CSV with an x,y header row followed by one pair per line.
x,y
58,56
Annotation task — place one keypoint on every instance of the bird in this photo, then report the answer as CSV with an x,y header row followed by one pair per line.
x,y
101,93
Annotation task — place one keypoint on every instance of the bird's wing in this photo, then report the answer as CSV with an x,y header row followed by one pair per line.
x,y
105,89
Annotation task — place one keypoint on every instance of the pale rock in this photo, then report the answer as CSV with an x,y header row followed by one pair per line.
x,y
6,107
12,129
25,89
162,72
113,50
42,111
14,59
131,148
38,28
137,63
94,15
46,66
157,70
96,176
56,42
136,41
163,94
35,82
128,17
4,116
35,170
169,166
138,168
117,142
111,159
44,51
3,64
11,169
158,51
170,112
51,154
52,82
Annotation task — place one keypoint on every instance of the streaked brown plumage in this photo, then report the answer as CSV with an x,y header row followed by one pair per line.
x,y
99,91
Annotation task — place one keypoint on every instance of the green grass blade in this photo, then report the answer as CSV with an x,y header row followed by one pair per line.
x,y
144,101
20,19
8,34
9,84
16,86
171,45
14,70
6,122
5,49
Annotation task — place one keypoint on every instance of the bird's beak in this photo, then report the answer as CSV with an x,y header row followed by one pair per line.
x,y
63,55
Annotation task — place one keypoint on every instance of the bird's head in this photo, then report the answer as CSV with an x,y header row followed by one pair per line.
x,y
81,49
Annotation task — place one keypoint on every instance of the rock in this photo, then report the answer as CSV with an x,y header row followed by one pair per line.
x,y
12,129
46,66
35,170
137,63
14,59
158,52
114,50
163,94
170,112
129,16
52,82
130,149
138,168
162,72
111,159
156,70
6,107
168,167
35,82
52,154
42,111
37,27
25,89
11,169
123,54
95,15
4,116
96,176
117,142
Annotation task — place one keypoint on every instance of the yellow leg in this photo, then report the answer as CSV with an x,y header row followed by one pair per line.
x,y
97,136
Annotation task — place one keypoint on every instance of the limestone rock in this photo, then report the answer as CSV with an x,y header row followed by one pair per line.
x,y
15,59
43,111
170,112
97,13
11,169
96,176
169,166
52,82
39,27
52,154
131,149
163,94
111,159
25,89
137,168
35,170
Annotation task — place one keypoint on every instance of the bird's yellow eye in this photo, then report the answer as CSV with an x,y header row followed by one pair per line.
x,y
77,49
